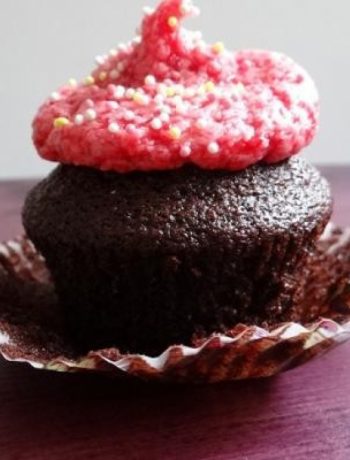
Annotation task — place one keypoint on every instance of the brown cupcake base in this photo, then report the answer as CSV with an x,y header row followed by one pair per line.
x,y
31,327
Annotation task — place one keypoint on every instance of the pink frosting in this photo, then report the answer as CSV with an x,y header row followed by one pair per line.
x,y
168,98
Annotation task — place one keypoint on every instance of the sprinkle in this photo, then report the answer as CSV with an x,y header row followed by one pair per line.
x,y
201,123
173,22
130,93
170,91
114,74
60,122
113,104
186,7
213,148
197,35
113,128
150,80
190,92
164,117
140,98
119,92
122,47
156,123
148,10
165,109
159,98
100,60
175,133
201,45
72,82
55,96
90,103
102,76
113,52
218,47
129,115
89,80
186,151
90,115
201,90
137,40
79,119
238,89
209,86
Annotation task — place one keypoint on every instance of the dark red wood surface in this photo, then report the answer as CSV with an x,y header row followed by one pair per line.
x,y
303,414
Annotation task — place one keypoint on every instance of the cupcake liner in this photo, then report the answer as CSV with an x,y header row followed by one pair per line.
x,y
32,332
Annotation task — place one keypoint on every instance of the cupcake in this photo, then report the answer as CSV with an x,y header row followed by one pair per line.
x,y
179,208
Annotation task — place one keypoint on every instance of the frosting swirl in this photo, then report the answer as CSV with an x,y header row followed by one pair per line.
x,y
168,98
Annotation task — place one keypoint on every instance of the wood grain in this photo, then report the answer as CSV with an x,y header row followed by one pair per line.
x,y
303,414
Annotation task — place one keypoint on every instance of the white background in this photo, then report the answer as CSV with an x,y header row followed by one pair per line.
x,y
45,42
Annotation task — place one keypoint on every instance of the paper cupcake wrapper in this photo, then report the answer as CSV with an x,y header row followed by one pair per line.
x,y
31,329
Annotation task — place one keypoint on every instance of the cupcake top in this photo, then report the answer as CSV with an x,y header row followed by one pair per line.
x,y
168,98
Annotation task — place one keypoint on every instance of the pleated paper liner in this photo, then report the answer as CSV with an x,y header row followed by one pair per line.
x,y
31,329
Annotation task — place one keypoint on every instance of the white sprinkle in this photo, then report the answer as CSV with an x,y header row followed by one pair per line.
x,y
72,82
130,92
185,151
150,80
114,74
165,109
129,115
122,47
201,45
55,96
190,92
100,60
113,104
119,92
198,35
156,123
113,52
159,98
113,128
148,10
164,117
201,123
186,7
181,108
137,40
90,115
213,148
79,119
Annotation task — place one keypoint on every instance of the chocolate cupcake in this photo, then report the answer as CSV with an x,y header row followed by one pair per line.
x,y
146,260
179,211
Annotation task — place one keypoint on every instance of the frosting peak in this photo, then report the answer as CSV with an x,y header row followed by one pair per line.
x,y
167,98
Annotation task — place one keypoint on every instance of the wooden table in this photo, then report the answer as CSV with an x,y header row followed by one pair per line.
x,y
303,414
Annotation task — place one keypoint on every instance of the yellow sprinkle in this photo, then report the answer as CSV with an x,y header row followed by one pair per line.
x,y
72,82
175,132
170,91
138,98
60,122
89,80
202,90
218,47
173,22
209,86
102,76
